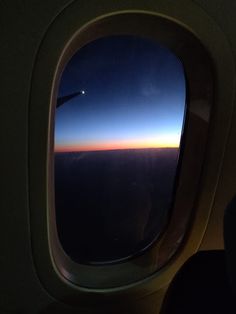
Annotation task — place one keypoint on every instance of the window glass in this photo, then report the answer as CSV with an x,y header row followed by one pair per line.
x,y
119,118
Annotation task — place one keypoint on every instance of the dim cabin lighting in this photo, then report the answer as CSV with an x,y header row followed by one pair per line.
x,y
119,274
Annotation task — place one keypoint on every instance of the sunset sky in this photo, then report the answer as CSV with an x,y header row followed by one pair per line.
x,y
135,97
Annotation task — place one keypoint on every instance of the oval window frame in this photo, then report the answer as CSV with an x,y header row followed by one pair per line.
x,y
118,274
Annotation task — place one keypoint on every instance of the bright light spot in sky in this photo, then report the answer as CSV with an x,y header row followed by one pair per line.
x,y
136,97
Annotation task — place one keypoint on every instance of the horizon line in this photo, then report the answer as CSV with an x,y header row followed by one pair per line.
x,y
112,149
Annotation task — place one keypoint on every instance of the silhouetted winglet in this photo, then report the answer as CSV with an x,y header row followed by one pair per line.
x,y
62,100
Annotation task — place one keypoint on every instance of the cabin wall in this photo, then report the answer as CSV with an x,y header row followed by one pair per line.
x,y
23,24
224,16
22,28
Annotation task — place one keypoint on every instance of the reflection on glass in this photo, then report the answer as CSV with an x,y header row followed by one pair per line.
x,y
119,118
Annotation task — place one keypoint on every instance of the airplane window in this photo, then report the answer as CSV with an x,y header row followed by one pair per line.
x,y
119,119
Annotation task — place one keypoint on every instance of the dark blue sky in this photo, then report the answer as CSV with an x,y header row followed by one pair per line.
x,y
135,96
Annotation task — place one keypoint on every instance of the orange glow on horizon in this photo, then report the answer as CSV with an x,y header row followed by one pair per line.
x,y
165,143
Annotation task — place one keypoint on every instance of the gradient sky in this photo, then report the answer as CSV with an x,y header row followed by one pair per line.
x,y
135,97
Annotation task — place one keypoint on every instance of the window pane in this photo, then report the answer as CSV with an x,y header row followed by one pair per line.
x,y
119,118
